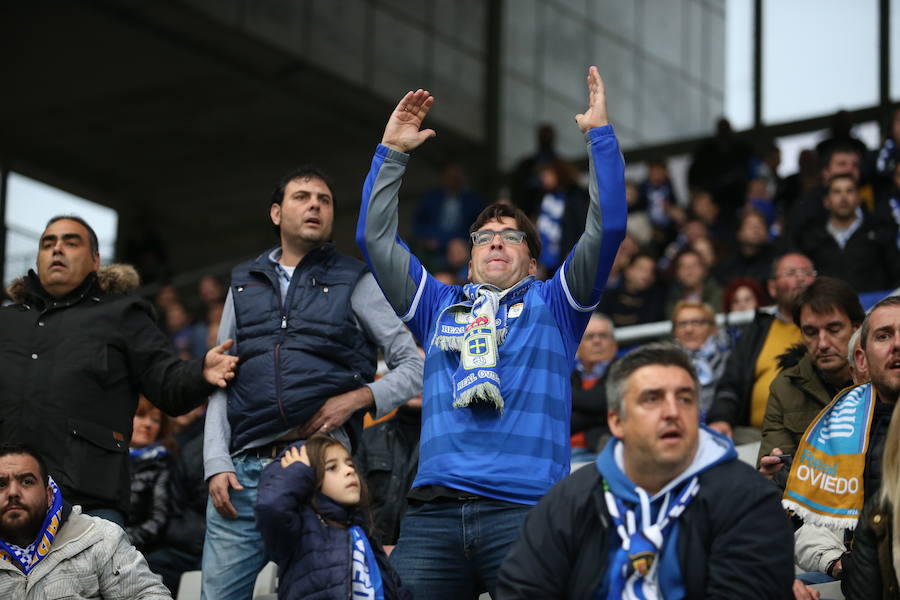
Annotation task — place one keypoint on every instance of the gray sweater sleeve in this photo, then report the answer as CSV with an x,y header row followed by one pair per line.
x,y
379,323
376,231
217,430
604,229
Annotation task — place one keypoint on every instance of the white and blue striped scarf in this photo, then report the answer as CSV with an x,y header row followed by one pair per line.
x,y
476,328
26,559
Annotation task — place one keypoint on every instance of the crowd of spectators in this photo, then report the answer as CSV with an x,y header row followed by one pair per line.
x,y
797,251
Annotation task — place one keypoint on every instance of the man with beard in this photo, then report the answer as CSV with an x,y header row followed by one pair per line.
x,y
820,548
48,547
743,391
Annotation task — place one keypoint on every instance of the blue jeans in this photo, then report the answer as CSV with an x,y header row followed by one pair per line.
x,y
453,550
233,552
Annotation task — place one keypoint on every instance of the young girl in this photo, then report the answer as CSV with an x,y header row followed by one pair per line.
x,y
311,510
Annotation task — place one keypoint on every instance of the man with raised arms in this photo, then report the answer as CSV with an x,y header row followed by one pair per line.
x,y
499,354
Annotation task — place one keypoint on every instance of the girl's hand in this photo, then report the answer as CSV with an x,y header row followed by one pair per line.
x,y
293,455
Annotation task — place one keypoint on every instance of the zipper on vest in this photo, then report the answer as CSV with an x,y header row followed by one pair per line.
x,y
284,321
278,383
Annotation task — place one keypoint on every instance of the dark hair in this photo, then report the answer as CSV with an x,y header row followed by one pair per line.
x,y
889,301
841,147
92,235
302,172
825,294
165,435
776,262
750,213
497,211
834,178
316,447
658,353
684,252
22,449
739,282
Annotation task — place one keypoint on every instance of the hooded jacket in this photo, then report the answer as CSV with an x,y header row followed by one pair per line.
x,y
71,369
91,558
312,546
733,539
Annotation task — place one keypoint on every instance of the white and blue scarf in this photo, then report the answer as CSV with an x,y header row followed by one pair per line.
x,y
365,576
26,559
476,328
645,564
152,452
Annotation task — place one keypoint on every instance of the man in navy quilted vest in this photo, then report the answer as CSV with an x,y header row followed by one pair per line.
x,y
499,357
307,322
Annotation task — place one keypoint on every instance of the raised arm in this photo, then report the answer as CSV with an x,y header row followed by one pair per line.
x,y
588,267
399,274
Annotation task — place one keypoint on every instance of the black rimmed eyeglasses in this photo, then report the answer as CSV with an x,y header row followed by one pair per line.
x,y
486,236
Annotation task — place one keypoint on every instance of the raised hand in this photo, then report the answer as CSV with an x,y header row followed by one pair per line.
x,y
402,130
292,455
595,115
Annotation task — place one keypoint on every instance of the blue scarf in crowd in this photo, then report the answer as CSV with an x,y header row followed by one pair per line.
x,y
26,559
365,576
476,328
152,452
645,565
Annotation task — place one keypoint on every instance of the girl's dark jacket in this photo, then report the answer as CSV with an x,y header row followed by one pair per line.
x,y
312,549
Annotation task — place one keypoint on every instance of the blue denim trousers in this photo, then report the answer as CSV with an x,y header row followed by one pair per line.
x,y
233,552
453,550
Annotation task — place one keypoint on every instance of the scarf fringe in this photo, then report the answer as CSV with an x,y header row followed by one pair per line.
x,y
485,392
814,518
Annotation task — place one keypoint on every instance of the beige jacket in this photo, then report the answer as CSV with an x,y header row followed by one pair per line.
x,y
90,558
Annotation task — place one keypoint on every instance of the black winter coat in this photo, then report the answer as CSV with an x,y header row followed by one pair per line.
x,y
589,410
388,458
735,540
869,262
71,370
187,493
870,573
735,388
147,517
313,556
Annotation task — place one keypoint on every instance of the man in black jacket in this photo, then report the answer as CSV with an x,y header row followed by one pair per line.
x,y
715,529
75,351
743,390
388,458
851,243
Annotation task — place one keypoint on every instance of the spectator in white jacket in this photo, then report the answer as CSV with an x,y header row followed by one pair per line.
x,y
48,549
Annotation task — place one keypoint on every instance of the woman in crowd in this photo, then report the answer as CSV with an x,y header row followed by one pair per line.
x,y
146,520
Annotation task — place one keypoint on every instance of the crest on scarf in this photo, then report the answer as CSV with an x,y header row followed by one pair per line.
x,y
642,562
